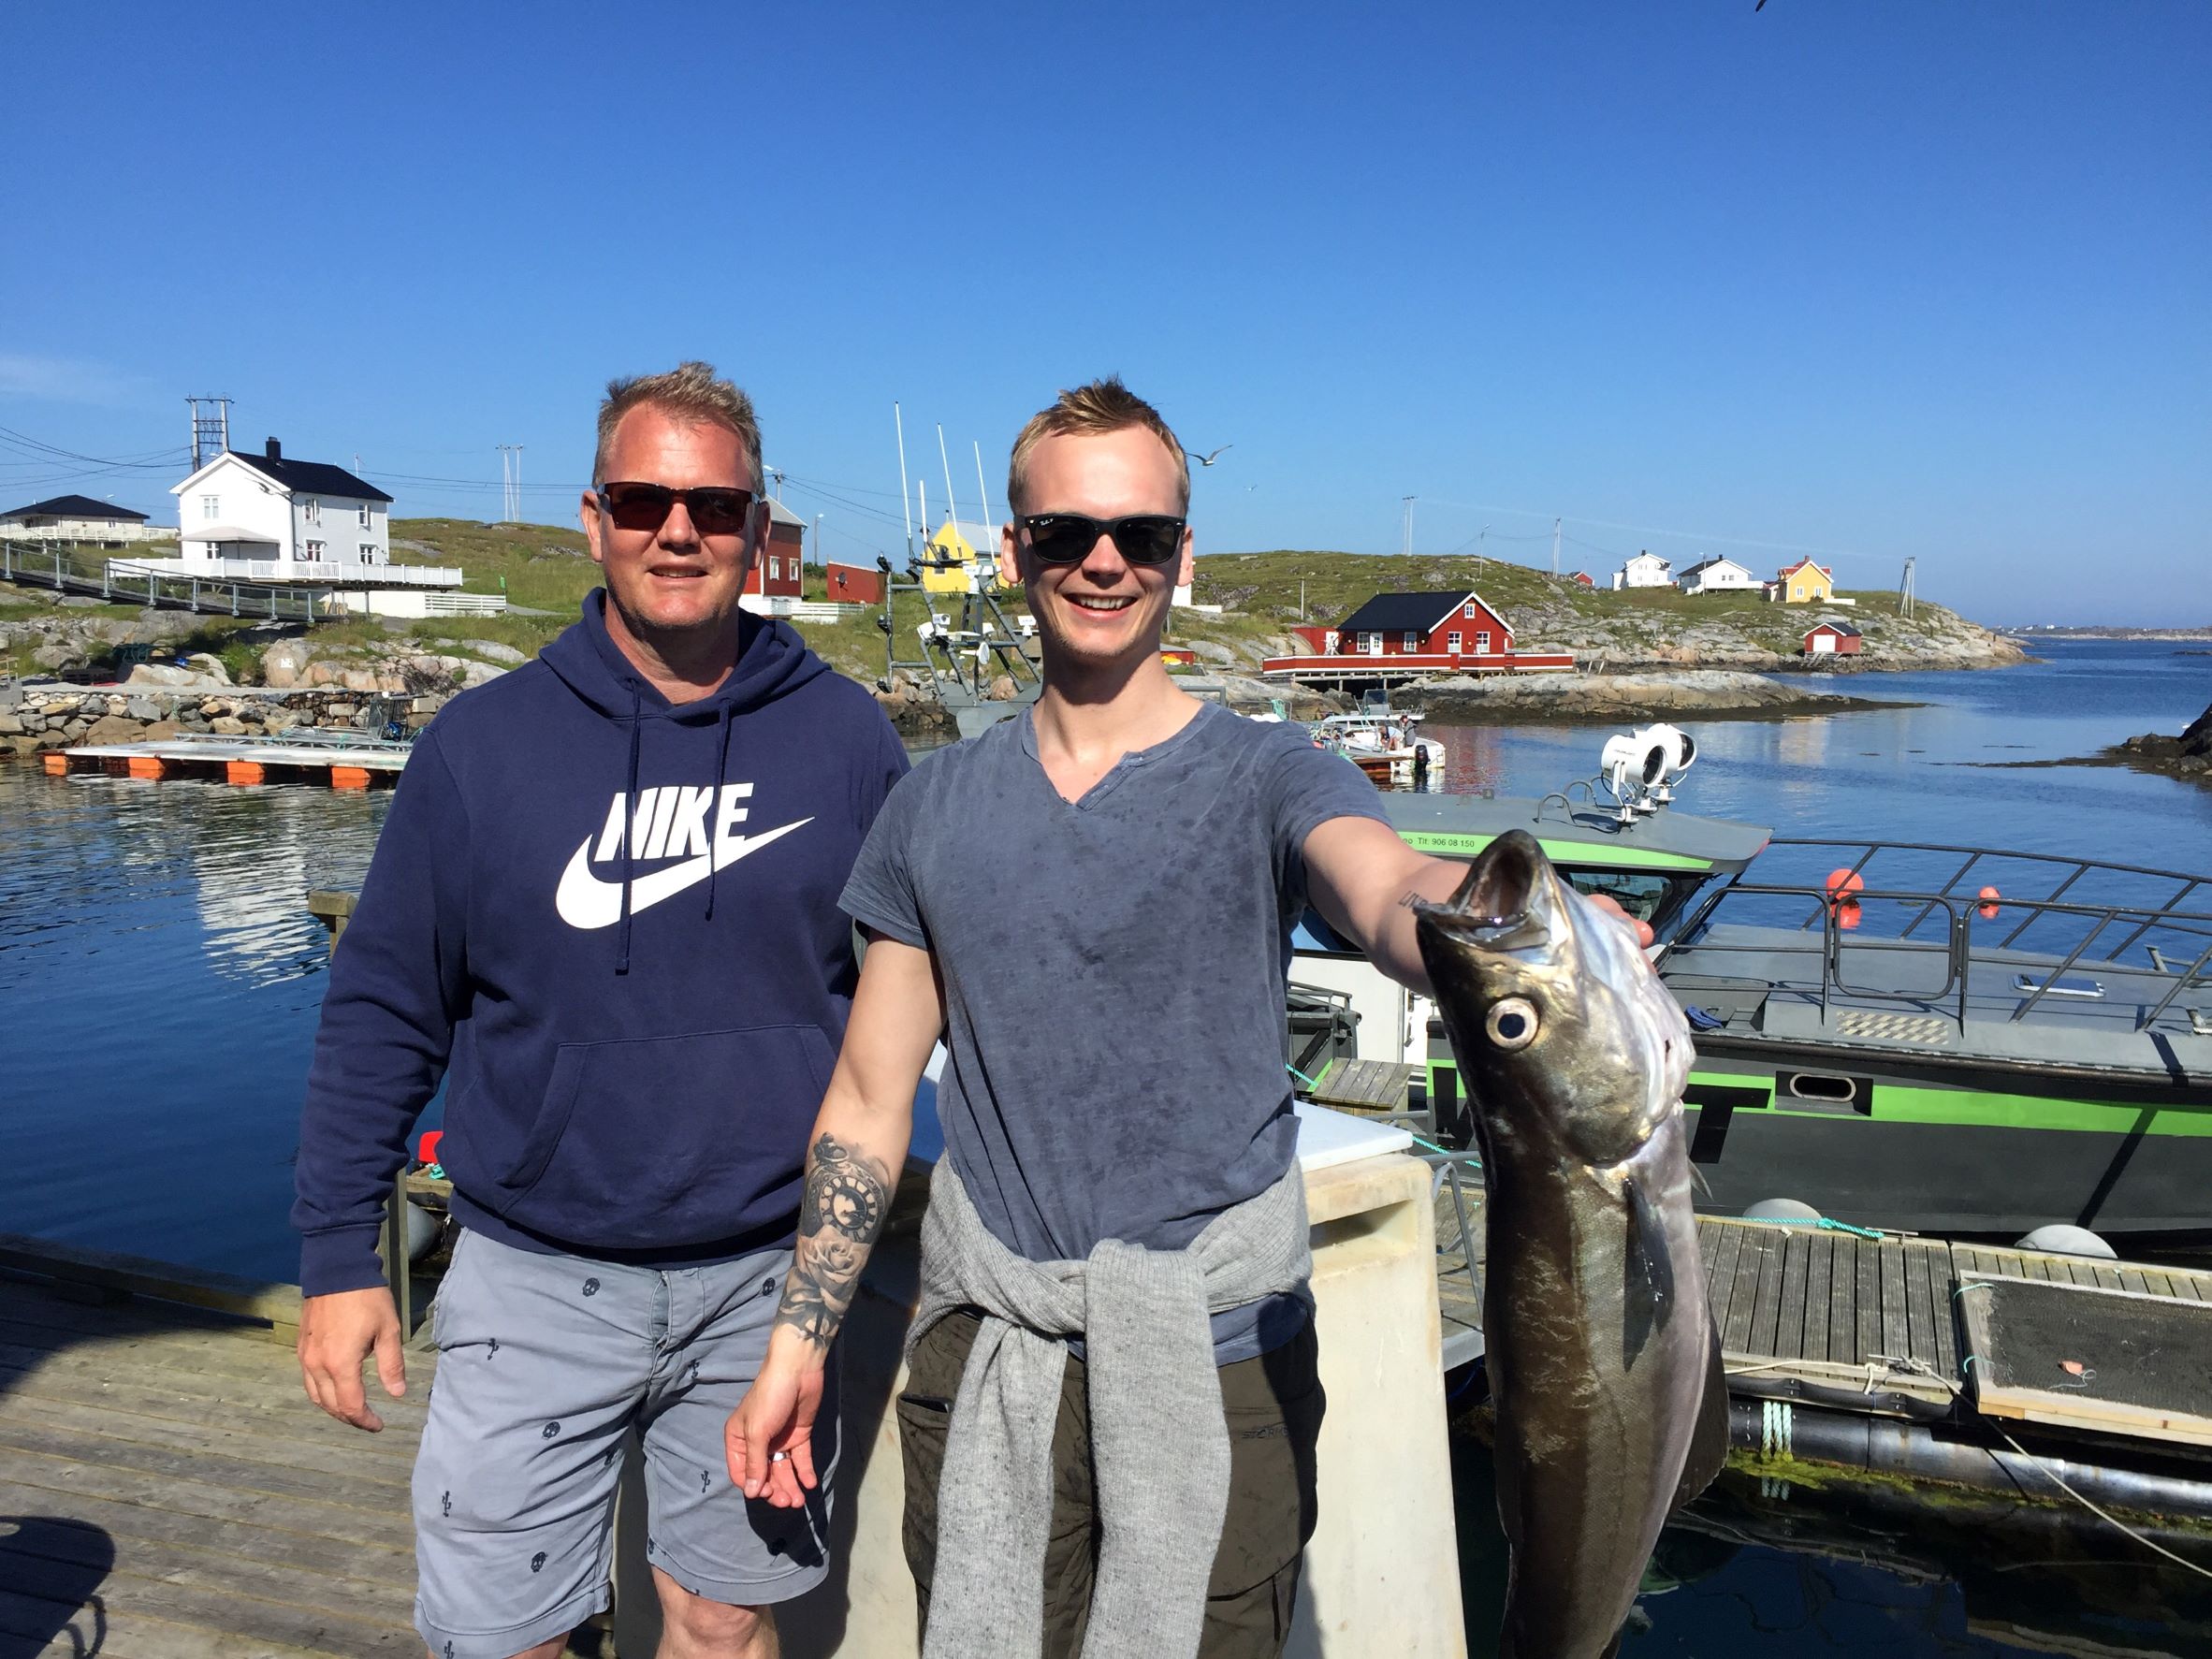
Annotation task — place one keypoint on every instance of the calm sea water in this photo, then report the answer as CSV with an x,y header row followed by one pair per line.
x,y
160,978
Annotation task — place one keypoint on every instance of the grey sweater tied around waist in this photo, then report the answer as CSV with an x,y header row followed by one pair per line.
x,y
1158,1440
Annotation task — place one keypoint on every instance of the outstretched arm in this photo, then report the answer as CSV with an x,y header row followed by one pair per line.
x,y
858,1148
1365,879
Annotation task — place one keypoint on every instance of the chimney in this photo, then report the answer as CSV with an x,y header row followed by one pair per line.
x,y
275,450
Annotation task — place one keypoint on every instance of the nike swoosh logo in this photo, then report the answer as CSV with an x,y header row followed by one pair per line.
x,y
583,900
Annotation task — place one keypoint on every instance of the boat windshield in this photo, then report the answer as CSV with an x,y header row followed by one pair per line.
x,y
1659,897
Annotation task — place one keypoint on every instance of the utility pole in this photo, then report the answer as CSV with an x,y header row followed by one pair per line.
x,y
1408,547
1904,591
819,559
1555,546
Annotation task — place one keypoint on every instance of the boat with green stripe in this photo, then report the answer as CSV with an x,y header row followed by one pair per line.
x,y
1941,1039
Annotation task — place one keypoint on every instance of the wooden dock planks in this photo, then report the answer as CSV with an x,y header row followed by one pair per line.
x,y
167,1489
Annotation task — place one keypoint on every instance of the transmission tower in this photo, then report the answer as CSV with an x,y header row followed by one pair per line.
x,y
1904,591
510,483
211,432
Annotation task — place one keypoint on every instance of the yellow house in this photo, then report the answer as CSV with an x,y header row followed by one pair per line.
x,y
1806,583
960,561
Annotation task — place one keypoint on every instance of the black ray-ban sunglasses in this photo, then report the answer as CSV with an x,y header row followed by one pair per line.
x,y
1066,538
714,511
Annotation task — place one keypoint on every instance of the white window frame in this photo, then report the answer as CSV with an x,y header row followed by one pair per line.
x,y
1468,610
211,507
311,510
368,517
368,552
1413,640
1371,644
1453,641
314,552
1482,643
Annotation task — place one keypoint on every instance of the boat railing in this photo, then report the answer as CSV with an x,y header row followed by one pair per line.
x,y
1838,911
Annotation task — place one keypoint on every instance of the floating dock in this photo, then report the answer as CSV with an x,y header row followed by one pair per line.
x,y
341,762
2007,1371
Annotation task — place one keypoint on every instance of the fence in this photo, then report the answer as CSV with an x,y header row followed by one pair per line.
x,y
48,566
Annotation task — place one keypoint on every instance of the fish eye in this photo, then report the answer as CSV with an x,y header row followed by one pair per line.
x,y
1511,1023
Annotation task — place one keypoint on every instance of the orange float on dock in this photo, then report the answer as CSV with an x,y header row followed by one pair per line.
x,y
243,772
349,778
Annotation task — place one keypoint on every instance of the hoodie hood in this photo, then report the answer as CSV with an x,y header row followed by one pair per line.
x,y
772,661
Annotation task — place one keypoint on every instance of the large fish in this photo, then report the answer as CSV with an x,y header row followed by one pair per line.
x,y
1604,1363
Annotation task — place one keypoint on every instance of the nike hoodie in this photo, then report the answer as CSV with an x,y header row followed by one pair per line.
x,y
610,923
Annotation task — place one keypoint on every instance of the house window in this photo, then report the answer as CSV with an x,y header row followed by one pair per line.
x,y
368,552
1482,644
1468,610
363,513
210,506
315,552
312,510
1452,639
1413,641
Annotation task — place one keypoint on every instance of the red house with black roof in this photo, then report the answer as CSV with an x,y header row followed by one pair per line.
x,y
1405,635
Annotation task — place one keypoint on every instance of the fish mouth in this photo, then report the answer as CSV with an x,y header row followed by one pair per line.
x,y
1498,904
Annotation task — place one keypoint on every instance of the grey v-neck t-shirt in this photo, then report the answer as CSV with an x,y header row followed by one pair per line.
x,y
1114,972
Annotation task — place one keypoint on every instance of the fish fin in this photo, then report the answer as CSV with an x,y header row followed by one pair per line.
x,y
1708,1440
1648,1289
1697,1180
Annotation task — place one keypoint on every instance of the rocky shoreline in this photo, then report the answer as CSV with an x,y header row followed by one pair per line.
x,y
1706,694
39,717
2188,756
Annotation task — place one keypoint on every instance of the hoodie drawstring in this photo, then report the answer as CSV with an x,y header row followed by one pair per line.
x,y
722,772
630,832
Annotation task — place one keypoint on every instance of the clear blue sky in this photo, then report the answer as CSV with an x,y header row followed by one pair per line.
x,y
1874,280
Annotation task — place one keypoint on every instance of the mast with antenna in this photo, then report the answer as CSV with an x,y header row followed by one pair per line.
x,y
899,424
951,506
983,493
1555,546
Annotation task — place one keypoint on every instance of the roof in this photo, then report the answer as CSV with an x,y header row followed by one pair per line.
x,y
1845,629
1412,613
311,477
1803,564
1709,563
74,506
1652,557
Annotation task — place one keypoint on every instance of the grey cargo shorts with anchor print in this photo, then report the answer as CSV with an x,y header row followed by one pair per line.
x,y
544,1365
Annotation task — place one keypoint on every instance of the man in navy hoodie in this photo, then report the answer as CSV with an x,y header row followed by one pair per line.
x,y
604,909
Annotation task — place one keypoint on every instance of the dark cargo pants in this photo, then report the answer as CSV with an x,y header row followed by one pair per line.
x,y
1273,1404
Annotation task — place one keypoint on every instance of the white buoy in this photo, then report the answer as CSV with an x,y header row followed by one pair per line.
x,y
1781,1210
2062,1237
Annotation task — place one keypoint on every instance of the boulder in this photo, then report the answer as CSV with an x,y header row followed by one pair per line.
x,y
142,708
360,679
228,726
179,678
495,652
57,656
10,726
114,729
210,666
1002,688
159,730
284,663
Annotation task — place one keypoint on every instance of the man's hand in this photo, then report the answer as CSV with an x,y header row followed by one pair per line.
x,y
1610,906
777,1416
336,1334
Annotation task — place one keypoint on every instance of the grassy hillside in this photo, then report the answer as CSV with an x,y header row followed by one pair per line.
x,y
546,568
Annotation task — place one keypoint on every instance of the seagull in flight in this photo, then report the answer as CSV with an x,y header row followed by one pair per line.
x,y
1206,461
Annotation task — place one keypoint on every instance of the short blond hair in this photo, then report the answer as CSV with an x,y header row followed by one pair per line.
x,y
689,391
1092,411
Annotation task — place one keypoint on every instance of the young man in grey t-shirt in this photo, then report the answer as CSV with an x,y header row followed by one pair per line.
x,y
1094,903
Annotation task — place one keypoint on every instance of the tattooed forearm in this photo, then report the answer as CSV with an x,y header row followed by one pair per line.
x,y
841,1210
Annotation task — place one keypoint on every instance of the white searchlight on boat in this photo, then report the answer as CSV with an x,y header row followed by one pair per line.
x,y
1631,763
1680,751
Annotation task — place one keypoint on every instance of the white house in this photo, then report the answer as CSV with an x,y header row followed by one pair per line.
x,y
78,518
1646,570
264,509
266,519
1718,575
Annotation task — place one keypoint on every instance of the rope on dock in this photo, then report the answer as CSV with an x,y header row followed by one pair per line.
x,y
2102,1514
